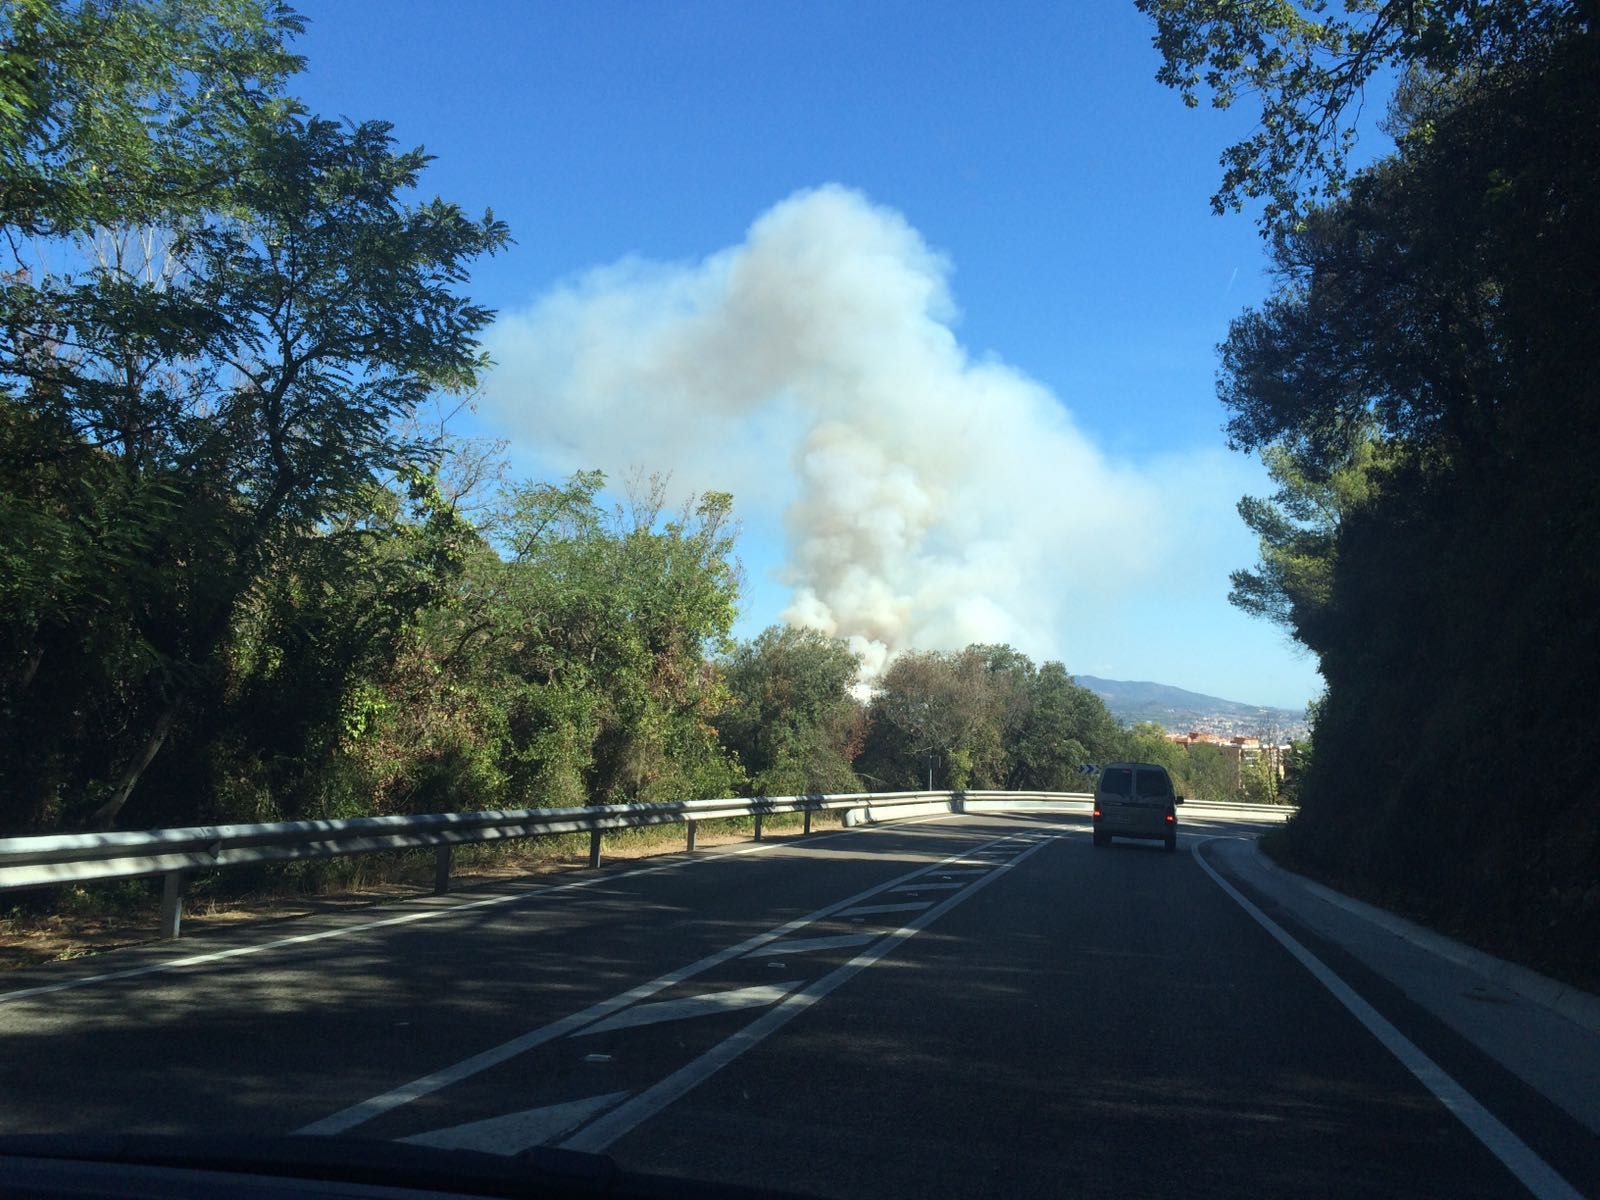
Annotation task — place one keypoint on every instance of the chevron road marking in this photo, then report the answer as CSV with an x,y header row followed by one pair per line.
x,y
634,1112
518,1131
806,945
359,1114
703,1005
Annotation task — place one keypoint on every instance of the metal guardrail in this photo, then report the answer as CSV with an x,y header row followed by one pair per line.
x,y
1083,801
32,862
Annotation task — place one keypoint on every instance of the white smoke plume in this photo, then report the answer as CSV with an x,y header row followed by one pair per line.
x,y
928,500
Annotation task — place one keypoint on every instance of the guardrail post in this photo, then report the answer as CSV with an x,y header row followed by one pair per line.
x,y
758,827
807,827
690,846
441,870
171,903
594,848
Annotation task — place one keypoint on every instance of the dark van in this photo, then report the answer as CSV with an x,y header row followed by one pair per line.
x,y
1135,800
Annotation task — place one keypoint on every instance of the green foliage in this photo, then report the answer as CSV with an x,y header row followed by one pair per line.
x,y
1258,780
1298,531
572,667
1148,742
1423,382
200,406
131,113
791,718
1309,67
616,611
1296,763
1062,727
1208,773
986,718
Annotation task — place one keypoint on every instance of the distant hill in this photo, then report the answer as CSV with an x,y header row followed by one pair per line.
x,y
1179,711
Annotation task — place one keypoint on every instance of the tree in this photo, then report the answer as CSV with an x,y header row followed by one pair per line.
x,y
1209,773
1066,726
1147,741
1437,307
109,114
213,386
311,664
1298,530
791,716
128,114
600,622
1310,70
1258,777
927,716
988,717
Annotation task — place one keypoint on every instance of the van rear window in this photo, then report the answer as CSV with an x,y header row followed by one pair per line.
x,y
1116,781
1154,783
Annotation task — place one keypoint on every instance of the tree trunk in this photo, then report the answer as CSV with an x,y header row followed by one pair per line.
x,y
103,816
30,669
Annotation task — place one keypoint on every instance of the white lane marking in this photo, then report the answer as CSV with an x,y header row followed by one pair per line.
x,y
1532,1171
518,1131
805,945
961,874
867,910
646,1104
706,1004
366,1110
301,939
930,887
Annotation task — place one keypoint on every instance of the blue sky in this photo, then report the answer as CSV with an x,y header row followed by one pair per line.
x,y
1016,161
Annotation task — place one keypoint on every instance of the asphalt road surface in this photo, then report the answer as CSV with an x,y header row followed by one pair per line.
x,y
964,1006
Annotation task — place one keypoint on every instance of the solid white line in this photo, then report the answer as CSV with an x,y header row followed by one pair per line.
x,y
1532,1171
301,939
707,1004
646,1104
806,945
366,1110
516,1132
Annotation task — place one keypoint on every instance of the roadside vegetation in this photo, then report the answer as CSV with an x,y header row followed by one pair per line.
x,y
1422,387
247,573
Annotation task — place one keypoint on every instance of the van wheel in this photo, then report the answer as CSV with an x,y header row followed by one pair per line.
x,y
1101,839
1172,842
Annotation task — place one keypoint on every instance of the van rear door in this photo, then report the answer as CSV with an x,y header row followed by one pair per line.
x,y
1152,786
1116,787
1152,799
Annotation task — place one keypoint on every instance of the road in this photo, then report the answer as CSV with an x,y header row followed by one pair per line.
x,y
963,1006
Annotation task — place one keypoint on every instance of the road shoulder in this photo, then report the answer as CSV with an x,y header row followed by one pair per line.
x,y
1545,1033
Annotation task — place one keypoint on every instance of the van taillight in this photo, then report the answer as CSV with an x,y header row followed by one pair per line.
x,y
1097,813
1170,817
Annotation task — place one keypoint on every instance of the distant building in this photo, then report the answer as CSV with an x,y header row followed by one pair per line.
x,y
1240,750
